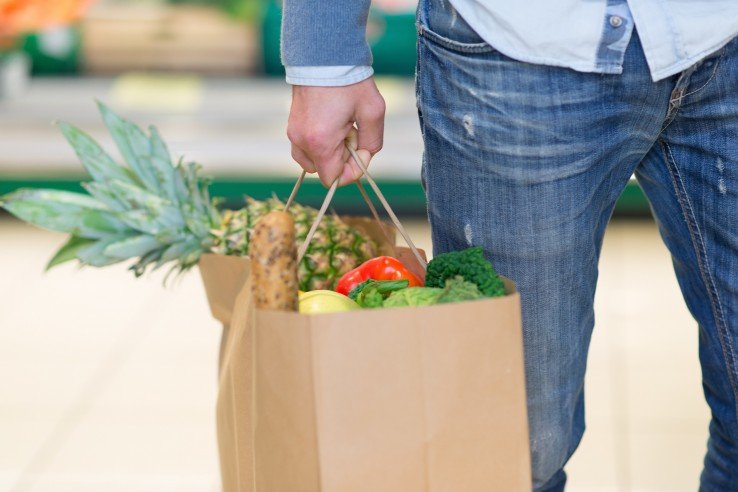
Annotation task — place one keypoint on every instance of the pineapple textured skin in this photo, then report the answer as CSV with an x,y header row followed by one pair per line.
x,y
335,249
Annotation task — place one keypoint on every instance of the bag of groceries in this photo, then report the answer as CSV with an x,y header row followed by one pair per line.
x,y
346,365
412,390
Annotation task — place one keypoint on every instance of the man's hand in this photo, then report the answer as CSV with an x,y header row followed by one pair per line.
x,y
322,117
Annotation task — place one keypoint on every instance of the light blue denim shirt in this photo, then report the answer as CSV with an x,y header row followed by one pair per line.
x,y
323,41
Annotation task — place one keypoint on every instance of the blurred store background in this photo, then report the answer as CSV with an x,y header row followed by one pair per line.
x,y
207,73
108,382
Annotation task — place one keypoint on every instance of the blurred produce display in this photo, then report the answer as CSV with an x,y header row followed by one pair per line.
x,y
187,62
119,37
19,19
225,37
54,50
23,16
247,10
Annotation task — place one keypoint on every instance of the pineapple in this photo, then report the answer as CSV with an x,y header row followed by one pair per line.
x,y
334,250
160,213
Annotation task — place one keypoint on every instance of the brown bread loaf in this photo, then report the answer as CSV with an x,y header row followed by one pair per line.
x,y
274,262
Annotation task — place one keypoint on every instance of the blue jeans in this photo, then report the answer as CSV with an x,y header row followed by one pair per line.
x,y
527,161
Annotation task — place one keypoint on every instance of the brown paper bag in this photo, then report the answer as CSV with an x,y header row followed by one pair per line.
x,y
406,399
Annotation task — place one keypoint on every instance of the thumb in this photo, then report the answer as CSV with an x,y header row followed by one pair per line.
x,y
351,170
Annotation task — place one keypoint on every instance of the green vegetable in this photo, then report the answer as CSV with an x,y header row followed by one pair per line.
x,y
457,290
371,293
413,296
471,265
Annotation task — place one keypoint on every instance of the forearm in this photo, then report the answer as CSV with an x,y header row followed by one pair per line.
x,y
325,33
324,44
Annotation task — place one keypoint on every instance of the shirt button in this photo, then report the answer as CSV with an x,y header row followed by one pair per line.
x,y
616,21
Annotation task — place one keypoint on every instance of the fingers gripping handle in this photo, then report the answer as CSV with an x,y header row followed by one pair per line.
x,y
351,142
386,204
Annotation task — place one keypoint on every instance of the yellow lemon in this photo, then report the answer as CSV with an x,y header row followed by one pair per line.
x,y
325,301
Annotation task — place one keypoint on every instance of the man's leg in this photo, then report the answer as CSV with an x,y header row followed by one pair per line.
x,y
528,161
691,179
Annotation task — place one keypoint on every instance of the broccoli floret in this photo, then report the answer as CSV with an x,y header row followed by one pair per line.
x,y
457,289
471,265
413,296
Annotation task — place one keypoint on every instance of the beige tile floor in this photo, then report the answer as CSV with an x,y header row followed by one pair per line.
x,y
108,382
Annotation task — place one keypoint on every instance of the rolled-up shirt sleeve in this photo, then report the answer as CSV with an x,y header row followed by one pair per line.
x,y
328,76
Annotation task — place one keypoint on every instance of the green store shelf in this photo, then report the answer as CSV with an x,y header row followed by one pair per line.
x,y
55,51
406,197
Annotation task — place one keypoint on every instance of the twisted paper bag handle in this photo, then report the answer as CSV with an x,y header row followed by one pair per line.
x,y
351,144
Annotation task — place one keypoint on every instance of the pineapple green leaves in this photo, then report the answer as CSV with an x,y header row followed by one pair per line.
x,y
157,212
149,208
69,251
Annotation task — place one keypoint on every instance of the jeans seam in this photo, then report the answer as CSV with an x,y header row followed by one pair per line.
x,y
700,251
669,119
418,84
421,122
712,77
675,103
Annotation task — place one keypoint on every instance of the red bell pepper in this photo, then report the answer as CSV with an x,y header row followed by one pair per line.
x,y
379,268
